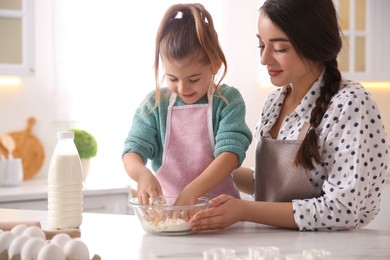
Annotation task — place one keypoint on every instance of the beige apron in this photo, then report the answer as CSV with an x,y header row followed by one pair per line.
x,y
276,177
189,148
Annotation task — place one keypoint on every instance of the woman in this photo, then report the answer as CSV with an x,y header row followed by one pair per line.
x,y
322,150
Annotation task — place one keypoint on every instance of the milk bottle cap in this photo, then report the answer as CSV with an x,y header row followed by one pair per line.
x,y
65,134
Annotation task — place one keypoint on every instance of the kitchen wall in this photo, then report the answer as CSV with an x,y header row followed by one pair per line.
x,y
35,96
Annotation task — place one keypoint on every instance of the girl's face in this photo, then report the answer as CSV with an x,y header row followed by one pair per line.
x,y
278,54
188,78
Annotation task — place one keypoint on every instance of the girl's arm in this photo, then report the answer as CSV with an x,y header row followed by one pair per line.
x,y
148,186
214,174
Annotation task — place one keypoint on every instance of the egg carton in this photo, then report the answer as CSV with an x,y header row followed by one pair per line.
x,y
31,242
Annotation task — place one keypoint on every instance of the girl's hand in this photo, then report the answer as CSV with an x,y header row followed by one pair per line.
x,y
149,188
184,199
224,211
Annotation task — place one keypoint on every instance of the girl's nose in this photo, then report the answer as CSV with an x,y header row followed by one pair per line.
x,y
181,86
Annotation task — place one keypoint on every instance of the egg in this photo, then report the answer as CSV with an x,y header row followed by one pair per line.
x,y
31,248
18,229
51,251
16,245
60,239
6,238
76,249
34,231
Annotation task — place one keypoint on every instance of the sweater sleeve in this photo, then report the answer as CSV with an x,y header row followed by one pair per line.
x,y
232,134
143,135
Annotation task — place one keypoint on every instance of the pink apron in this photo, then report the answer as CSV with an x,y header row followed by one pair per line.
x,y
188,149
276,177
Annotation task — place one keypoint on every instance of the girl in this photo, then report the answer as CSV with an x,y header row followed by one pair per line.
x,y
193,131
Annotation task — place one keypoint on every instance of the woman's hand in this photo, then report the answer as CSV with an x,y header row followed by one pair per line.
x,y
224,211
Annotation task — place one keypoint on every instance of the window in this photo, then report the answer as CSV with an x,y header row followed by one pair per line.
x,y
17,41
353,20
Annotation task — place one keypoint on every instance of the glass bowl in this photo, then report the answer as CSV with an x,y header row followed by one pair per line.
x,y
166,219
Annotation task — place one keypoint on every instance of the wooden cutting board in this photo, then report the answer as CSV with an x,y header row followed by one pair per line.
x,y
29,149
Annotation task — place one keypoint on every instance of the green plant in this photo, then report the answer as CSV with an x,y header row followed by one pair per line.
x,y
85,143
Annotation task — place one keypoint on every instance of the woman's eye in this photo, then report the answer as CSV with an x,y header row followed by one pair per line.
x,y
194,80
172,80
261,46
281,50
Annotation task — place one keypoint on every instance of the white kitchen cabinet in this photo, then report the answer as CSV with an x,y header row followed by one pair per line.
x,y
17,41
365,55
102,198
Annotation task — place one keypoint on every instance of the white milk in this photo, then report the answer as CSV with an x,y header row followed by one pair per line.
x,y
65,184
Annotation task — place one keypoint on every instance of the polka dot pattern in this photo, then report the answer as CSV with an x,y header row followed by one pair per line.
x,y
355,153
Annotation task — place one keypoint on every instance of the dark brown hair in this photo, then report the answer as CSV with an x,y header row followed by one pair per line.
x,y
312,28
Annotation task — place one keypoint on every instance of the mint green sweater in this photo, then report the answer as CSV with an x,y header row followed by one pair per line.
x,y
231,133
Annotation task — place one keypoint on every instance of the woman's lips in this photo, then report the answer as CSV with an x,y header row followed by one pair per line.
x,y
274,73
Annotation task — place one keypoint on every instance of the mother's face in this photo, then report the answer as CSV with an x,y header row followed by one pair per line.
x,y
277,53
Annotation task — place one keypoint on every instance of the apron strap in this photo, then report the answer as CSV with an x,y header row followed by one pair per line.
x,y
305,128
172,99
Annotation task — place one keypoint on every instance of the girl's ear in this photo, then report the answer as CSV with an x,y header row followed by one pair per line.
x,y
217,66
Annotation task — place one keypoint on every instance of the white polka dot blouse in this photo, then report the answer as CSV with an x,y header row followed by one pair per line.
x,y
355,153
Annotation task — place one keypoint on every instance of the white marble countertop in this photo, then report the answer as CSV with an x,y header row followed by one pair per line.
x,y
35,189
122,237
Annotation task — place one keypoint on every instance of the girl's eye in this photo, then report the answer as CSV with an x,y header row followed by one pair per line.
x,y
172,80
194,80
261,46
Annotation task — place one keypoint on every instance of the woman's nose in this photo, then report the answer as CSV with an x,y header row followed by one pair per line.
x,y
265,57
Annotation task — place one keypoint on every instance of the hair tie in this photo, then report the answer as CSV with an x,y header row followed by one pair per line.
x,y
179,15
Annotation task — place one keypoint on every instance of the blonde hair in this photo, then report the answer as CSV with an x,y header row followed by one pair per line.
x,y
187,30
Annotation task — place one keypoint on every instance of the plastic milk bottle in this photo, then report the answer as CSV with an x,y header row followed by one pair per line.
x,y
65,184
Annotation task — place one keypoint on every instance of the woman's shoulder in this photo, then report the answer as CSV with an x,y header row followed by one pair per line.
x,y
352,95
350,86
350,89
